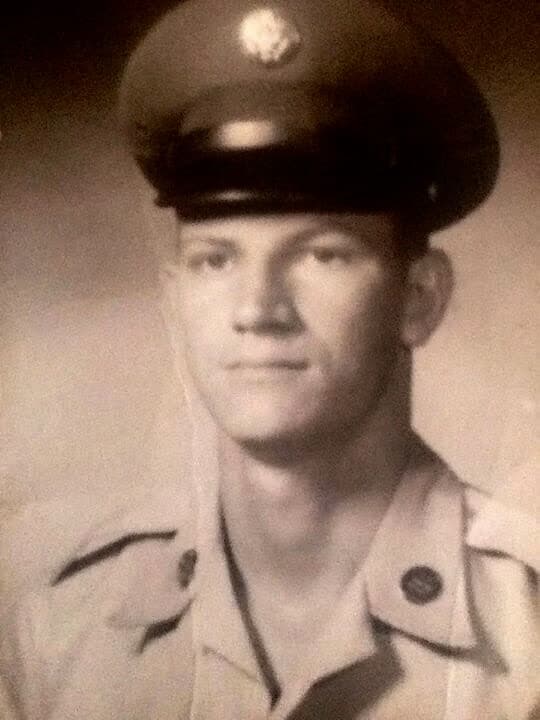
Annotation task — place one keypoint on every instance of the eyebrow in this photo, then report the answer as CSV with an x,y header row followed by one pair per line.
x,y
294,239
215,240
328,228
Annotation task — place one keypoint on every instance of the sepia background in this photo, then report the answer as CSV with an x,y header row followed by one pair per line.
x,y
88,396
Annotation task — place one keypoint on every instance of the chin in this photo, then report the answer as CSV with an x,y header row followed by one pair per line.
x,y
279,438
254,428
289,418
278,449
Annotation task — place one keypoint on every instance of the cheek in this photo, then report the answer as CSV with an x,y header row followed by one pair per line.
x,y
201,316
355,316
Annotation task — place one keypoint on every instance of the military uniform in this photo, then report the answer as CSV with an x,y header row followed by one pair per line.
x,y
120,610
130,609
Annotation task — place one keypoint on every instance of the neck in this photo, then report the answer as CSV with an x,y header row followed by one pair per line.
x,y
309,523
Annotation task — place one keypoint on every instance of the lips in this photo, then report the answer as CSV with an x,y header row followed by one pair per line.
x,y
266,373
267,364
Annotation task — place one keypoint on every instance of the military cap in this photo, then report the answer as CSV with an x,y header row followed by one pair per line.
x,y
235,105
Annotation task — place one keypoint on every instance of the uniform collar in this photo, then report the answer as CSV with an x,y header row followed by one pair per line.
x,y
218,623
423,528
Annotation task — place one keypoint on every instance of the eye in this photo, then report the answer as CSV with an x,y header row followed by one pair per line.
x,y
217,260
331,248
331,256
209,261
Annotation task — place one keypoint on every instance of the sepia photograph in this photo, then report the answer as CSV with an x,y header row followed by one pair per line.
x,y
269,378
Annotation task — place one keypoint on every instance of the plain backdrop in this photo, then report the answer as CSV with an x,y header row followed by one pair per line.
x,y
88,394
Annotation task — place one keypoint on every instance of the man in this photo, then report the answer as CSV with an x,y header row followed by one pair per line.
x,y
339,570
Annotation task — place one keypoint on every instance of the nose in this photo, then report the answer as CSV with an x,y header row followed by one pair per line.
x,y
264,303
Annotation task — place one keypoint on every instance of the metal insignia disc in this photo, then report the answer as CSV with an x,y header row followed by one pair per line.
x,y
268,37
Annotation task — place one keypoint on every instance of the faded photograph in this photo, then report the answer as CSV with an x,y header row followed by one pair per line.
x,y
269,369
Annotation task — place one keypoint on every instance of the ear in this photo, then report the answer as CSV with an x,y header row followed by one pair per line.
x,y
429,286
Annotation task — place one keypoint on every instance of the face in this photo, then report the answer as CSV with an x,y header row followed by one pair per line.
x,y
291,323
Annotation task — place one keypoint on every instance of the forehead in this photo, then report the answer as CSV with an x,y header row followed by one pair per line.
x,y
289,226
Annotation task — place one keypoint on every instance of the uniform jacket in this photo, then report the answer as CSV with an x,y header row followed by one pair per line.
x,y
124,609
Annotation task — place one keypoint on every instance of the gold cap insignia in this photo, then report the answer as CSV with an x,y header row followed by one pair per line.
x,y
268,37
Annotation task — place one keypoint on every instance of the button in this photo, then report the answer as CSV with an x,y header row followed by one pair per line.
x,y
421,584
186,568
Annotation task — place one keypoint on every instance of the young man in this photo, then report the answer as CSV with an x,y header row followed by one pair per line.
x,y
340,570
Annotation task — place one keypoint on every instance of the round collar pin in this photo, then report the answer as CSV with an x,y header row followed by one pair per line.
x,y
421,584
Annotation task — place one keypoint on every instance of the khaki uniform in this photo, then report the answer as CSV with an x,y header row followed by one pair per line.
x,y
128,612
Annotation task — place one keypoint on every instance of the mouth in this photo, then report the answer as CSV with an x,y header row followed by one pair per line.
x,y
267,370
268,364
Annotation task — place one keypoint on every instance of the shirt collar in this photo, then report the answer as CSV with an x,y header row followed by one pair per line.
x,y
423,528
153,595
226,634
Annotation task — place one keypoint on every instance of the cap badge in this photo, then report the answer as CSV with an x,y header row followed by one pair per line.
x,y
269,38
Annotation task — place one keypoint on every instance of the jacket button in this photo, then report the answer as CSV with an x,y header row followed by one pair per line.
x,y
186,568
421,584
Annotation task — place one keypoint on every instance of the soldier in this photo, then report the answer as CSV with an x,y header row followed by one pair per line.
x,y
340,570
